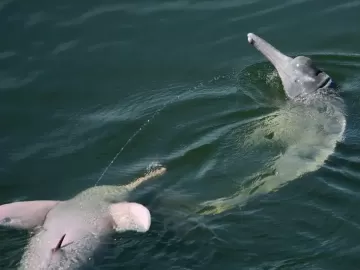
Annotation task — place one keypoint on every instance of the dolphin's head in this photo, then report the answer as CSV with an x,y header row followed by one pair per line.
x,y
298,75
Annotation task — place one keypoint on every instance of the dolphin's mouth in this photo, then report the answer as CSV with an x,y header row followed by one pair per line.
x,y
324,83
327,83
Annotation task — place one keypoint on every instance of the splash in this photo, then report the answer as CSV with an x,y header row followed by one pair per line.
x,y
155,165
127,142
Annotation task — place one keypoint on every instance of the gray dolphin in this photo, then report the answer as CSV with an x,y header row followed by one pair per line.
x,y
310,125
66,233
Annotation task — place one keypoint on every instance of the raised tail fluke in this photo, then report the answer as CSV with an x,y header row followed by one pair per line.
x,y
152,174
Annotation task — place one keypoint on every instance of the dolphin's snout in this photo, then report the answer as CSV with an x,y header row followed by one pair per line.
x,y
250,37
258,42
279,60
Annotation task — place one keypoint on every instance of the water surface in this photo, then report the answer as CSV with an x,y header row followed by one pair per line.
x,y
78,79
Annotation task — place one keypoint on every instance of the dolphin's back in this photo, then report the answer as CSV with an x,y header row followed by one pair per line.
x,y
99,193
310,134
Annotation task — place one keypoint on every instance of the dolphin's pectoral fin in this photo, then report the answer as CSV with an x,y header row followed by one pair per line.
x,y
130,216
25,215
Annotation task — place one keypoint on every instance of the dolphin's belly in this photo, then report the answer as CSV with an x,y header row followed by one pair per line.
x,y
76,220
84,227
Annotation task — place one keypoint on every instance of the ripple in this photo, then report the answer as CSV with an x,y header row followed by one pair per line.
x,y
6,54
105,45
95,12
209,138
27,151
163,7
151,8
4,3
198,129
339,7
336,57
65,46
325,211
175,241
269,10
134,109
8,82
35,18
199,6
12,252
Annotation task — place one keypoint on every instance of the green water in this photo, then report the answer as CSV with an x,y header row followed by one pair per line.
x,y
176,82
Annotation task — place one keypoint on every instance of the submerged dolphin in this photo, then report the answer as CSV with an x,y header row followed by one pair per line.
x,y
66,233
310,124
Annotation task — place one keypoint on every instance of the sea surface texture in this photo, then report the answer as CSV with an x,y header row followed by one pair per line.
x,y
101,91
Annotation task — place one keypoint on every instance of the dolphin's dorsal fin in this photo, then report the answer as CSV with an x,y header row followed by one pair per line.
x,y
58,246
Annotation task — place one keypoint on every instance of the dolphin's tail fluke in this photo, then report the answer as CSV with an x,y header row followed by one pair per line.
x,y
152,174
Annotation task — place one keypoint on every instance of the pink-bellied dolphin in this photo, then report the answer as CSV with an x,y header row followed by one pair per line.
x,y
67,233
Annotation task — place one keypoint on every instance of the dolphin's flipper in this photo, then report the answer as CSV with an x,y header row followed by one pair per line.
x,y
130,217
25,215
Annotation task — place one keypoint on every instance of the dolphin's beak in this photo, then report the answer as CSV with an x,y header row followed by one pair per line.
x,y
278,59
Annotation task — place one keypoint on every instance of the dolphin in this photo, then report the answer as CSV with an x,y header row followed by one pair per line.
x,y
67,233
310,125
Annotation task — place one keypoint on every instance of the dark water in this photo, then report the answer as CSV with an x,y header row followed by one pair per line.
x,y
178,83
